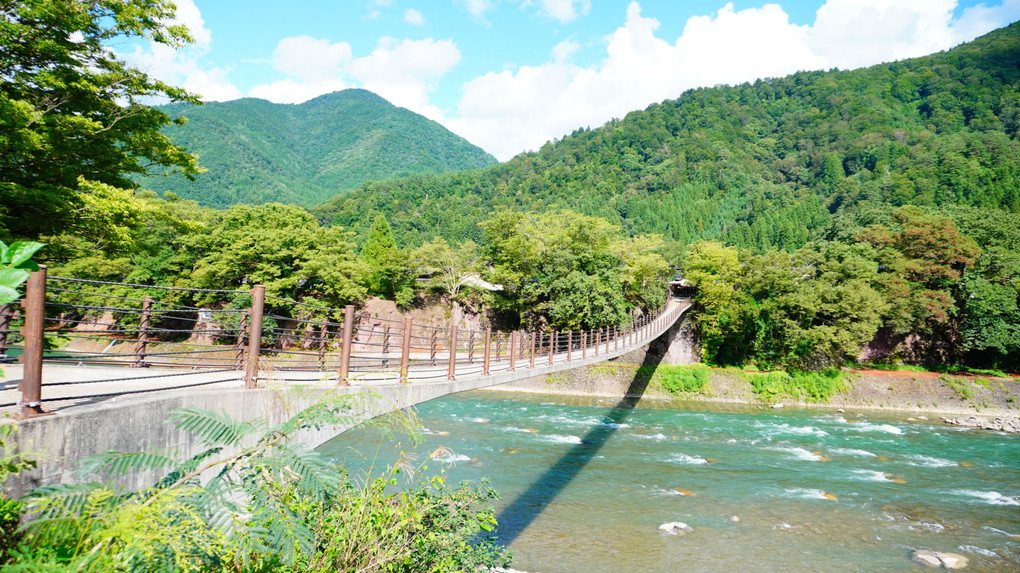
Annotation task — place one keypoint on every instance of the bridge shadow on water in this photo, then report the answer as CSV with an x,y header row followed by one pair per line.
x,y
522,511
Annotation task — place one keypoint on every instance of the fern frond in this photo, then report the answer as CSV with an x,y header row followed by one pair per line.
x,y
316,475
189,466
212,428
116,463
331,411
60,500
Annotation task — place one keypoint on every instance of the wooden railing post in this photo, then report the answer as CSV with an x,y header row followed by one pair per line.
x,y
451,368
552,346
434,346
513,351
487,352
570,344
531,355
34,305
471,347
584,345
143,334
616,337
346,344
251,364
608,330
598,340
405,349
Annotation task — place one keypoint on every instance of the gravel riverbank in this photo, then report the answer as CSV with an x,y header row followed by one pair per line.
x,y
975,401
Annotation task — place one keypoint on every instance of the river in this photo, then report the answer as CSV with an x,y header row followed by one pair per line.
x,y
586,482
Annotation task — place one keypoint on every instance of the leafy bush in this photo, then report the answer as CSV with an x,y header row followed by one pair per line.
x,y
682,379
817,386
272,505
11,462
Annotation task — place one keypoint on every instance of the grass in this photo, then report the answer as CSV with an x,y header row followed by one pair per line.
x,y
961,386
888,366
817,386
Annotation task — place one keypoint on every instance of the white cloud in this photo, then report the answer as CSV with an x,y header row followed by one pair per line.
x,y
478,8
189,15
182,67
413,17
311,59
565,10
402,71
289,90
564,50
405,71
313,66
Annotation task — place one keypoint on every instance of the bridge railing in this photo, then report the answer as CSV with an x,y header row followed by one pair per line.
x,y
76,321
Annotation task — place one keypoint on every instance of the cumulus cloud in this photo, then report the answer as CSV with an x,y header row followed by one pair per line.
x,y
405,71
182,67
478,8
564,10
511,111
402,71
413,17
311,59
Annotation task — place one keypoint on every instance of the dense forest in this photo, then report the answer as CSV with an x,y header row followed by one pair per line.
x,y
255,152
757,165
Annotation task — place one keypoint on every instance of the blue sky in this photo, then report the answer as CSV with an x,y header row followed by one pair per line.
x,y
509,75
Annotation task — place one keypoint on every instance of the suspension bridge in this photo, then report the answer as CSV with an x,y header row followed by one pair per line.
x,y
92,366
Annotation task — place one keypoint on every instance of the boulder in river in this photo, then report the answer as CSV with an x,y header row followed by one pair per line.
x,y
1010,425
675,528
938,559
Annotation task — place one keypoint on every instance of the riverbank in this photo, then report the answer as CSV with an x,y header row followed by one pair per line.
x,y
953,397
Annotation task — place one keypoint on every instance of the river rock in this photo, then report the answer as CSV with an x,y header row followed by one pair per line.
x,y
998,424
938,559
675,528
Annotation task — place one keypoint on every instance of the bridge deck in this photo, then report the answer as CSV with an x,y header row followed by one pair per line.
x,y
68,386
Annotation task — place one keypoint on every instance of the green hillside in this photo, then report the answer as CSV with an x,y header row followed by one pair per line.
x,y
256,151
756,165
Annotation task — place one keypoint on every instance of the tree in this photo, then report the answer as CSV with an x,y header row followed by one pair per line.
x,y
557,268
72,122
450,267
715,270
389,275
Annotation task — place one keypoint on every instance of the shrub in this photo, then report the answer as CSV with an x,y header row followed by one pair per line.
x,y
270,505
682,379
818,386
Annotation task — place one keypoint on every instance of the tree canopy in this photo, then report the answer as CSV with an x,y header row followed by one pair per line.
x,y
73,119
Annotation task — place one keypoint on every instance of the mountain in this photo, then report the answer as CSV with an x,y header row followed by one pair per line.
x,y
758,165
258,152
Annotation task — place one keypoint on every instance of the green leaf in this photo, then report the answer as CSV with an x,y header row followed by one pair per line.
x,y
20,254
213,428
8,295
12,278
117,463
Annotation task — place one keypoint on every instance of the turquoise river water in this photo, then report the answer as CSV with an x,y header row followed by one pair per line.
x,y
585,484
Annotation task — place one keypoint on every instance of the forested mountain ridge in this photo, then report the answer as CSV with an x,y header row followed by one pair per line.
x,y
756,165
256,151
